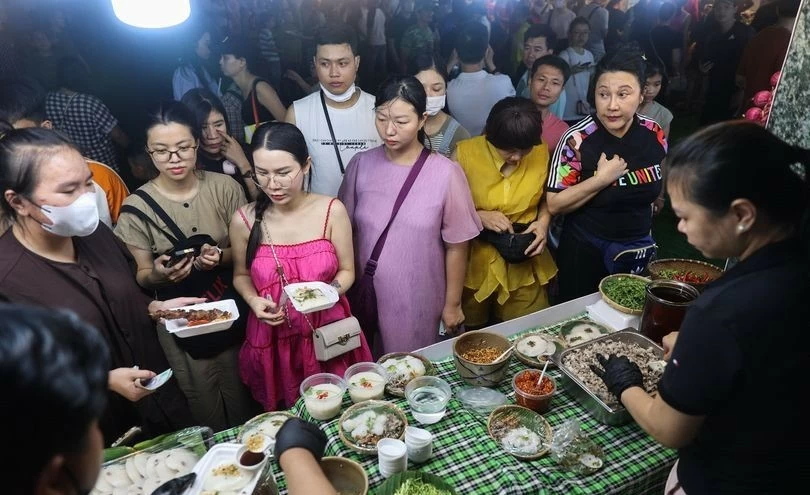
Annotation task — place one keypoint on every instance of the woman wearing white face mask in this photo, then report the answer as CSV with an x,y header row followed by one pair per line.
x,y
56,254
442,132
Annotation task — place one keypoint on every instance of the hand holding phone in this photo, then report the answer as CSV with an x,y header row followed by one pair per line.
x,y
178,256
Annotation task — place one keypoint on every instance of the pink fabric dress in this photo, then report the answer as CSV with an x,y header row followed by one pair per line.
x,y
274,361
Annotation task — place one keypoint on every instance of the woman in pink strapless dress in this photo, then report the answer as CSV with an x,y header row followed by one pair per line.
x,y
278,352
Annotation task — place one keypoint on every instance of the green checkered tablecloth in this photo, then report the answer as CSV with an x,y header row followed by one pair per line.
x,y
465,455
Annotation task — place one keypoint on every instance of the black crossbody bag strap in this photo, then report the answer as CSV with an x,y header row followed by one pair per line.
x,y
150,201
332,133
146,218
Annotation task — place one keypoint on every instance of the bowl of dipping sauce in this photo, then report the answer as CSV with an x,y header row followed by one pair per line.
x,y
253,453
531,394
323,395
366,381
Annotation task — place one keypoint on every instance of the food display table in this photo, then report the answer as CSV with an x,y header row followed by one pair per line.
x,y
466,457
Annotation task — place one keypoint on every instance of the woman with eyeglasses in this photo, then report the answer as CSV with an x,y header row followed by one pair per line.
x,y
288,235
185,207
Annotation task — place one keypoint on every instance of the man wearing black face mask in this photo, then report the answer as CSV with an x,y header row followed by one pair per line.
x,y
53,368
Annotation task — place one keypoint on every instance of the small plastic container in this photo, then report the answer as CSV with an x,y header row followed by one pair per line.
x,y
538,403
419,443
366,381
482,400
323,395
324,296
392,456
428,394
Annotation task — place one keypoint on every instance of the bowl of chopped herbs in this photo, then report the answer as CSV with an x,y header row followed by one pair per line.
x,y
624,292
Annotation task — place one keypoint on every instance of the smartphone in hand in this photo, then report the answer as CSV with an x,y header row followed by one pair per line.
x,y
157,381
178,256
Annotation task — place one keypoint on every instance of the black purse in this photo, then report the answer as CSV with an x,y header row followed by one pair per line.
x,y
511,247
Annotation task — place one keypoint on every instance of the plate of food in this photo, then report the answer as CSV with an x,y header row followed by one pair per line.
x,y
218,472
693,272
624,292
535,349
199,319
265,424
145,471
366,423
402,367
580,331
309,297
415,483
520,431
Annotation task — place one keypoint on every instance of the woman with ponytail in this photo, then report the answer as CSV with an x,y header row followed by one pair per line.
x,y
742,349
310,237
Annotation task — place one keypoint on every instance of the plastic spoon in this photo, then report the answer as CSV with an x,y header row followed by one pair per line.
x,y
542,373
507,351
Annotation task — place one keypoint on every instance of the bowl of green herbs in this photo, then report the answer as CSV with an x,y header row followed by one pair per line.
x,y
624,292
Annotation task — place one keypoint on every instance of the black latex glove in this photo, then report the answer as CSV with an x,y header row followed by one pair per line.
x,y
297,433
619,374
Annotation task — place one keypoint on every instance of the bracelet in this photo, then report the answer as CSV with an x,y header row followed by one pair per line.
x,y
335,284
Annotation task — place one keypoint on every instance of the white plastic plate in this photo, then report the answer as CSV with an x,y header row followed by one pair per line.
x,y
222,453
217,326
329,298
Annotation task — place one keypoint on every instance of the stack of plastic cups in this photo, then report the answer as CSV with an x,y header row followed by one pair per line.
x,y
419,443
392,455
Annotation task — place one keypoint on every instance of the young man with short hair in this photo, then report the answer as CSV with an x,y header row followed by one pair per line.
x,y
538,41
548,77
474,92
54,370
337,121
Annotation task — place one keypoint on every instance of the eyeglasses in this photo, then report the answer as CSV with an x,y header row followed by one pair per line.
x,y
284,181
164,156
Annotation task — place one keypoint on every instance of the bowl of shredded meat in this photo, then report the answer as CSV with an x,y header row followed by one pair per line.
x,y
476,356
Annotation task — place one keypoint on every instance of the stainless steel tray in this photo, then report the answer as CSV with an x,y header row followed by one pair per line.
x,y
589,400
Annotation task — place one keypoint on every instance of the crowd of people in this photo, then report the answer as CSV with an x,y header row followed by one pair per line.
x,y
479,161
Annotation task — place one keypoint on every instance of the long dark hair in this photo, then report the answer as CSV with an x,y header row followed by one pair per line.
x,y
22,154
274,136
407,89
201,102
730,160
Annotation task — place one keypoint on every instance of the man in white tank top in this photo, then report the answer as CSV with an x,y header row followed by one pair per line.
x,y
350,111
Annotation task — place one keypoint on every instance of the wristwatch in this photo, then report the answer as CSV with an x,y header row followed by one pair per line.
x,y
335,284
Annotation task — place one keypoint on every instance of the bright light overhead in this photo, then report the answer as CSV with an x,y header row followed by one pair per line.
x,y
152,13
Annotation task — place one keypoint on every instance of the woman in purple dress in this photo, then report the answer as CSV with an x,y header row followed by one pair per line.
x,y
420,274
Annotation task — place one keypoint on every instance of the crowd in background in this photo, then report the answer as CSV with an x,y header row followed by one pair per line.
x,y
539,131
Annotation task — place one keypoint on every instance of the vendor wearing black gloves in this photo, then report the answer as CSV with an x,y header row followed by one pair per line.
x,y
299,448
727,400
606,177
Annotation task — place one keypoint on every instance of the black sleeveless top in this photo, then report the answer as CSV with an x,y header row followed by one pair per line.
x,y
262,114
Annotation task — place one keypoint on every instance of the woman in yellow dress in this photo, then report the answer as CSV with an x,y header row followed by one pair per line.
x,y
506,168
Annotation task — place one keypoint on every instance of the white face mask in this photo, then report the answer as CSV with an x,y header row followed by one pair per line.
x,y
78,219
339,98
435,104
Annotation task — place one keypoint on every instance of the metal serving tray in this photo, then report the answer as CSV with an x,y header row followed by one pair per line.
x,y
589,400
